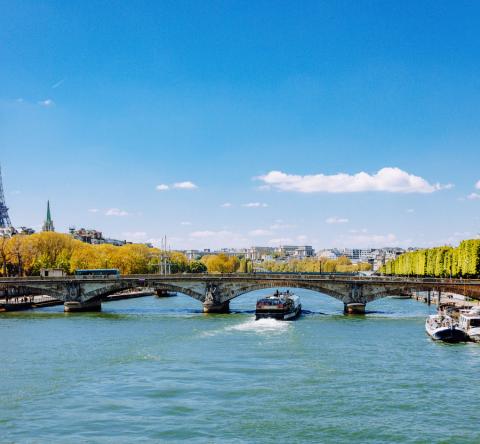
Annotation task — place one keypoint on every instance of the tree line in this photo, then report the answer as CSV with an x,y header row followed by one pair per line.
x,y
26,255
462,261
317,265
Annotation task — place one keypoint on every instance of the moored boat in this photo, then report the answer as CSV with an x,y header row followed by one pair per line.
x,y
442,327
281,305
17,306
469,322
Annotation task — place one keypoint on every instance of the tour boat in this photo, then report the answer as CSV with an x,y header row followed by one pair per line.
x,y
280,305
442,327
469,322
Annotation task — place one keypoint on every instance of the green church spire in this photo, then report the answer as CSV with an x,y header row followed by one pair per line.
x,y
48,224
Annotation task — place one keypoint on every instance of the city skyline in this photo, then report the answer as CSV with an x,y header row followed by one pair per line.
x,y
357,129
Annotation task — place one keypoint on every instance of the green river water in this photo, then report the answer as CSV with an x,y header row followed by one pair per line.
x,y
158,370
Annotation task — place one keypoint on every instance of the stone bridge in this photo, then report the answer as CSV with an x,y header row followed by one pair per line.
x,y
215,291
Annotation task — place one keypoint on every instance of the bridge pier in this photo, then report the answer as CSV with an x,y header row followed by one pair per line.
x,y
76,306
354,308
216,307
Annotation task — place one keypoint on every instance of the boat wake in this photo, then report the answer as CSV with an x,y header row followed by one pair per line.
x,y
261,326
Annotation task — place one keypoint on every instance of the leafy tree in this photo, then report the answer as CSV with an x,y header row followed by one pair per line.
x,y
439,262
197,267
221,263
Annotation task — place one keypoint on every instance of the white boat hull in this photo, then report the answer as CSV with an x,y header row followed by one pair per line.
x,y
445,333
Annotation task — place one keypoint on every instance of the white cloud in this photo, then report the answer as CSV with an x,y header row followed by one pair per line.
x,y
301,238
93,210
473,196
259,232
15,192
281,241
410,210
280,225
226,205
134,234
477,185
47,103
116,212
393,180
185,223
255,205
187,185
336,220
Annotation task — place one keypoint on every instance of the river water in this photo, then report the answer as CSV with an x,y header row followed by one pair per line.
x,y
157,370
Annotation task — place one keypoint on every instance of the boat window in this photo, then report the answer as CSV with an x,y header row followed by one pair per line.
x,y
475,322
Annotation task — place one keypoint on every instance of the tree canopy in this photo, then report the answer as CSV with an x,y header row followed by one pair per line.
x,y
317,265
25,255
463,260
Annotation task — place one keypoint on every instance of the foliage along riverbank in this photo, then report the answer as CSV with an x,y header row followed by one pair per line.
x,y
26,255
316,265
462,261
23,255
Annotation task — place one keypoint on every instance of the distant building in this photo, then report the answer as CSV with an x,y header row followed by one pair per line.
x,y
304,251
7,231
87,236
48,224
94,237
116,242
359,254
332,253
298,251
377,257
383,255
12,231
259,253
25,231
286,250
193,255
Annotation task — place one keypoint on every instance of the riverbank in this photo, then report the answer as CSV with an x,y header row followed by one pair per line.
x,y
28,303
458,300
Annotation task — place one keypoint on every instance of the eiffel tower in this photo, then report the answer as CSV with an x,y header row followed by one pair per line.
x,y
4,219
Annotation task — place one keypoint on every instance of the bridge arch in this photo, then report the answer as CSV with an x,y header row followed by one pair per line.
x,y
117,287
180,289
36,290
248,288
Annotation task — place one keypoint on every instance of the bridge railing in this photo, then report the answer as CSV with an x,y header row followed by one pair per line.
x,y
145,278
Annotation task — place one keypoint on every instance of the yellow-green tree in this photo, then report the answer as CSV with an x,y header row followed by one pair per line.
x,y
463,260
221,263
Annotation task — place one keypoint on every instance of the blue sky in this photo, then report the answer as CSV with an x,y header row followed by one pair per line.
x,y
274,108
